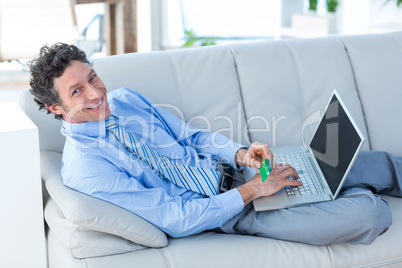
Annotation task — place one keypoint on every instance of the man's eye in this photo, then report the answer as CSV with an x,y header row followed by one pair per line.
x,y
93,77
76,91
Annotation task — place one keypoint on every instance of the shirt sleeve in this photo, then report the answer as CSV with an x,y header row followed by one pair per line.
x,y
176,215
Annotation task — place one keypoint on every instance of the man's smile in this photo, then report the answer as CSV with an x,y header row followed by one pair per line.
x,y
96,105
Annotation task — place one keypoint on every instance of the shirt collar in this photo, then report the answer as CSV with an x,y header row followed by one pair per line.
x,y
81,130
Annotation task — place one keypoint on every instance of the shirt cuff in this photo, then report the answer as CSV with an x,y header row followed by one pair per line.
x,y
242,166
228,154
232,203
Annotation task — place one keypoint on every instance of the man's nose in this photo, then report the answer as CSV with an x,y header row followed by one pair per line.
x,y
93,92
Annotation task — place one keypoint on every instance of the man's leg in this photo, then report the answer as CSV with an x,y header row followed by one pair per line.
x,y
379,171
357,216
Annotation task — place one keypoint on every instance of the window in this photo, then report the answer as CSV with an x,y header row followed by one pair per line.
x,y
229,20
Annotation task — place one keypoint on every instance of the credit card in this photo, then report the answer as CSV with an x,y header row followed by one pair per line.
x,y
265,169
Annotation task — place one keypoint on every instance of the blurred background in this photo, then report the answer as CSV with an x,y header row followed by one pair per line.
x,y
109,27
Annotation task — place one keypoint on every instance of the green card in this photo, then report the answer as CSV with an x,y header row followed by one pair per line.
x,y
265,169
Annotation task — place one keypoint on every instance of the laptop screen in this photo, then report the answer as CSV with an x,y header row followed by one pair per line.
x,y
335,143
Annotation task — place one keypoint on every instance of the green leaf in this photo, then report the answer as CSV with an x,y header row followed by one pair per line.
x,y
191,39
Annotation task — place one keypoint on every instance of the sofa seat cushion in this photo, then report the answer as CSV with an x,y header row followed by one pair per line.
x,y
211,249
93,214
385,251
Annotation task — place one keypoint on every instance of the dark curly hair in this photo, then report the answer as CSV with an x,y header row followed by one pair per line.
x,y
50,64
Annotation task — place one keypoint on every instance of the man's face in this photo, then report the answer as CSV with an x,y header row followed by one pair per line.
x,y
82,94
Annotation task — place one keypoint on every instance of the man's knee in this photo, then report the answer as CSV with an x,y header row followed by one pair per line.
x,y
374,219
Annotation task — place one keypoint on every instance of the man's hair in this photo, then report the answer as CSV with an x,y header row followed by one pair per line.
x,y
50,64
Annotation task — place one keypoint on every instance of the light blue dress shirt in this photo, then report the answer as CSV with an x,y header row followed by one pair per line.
x,y
95,163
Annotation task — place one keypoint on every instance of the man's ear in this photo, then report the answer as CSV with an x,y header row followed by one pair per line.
x,y
56,109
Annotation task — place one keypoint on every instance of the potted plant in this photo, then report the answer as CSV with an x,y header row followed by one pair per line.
x,y
332,5
314,23
313,5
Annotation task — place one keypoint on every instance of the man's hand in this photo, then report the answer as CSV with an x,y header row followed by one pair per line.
x,y
276,180
254,155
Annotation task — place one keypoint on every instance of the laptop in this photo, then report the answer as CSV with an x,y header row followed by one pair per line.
x,y
323,165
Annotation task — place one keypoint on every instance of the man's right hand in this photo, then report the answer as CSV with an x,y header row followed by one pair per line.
x,y
277,179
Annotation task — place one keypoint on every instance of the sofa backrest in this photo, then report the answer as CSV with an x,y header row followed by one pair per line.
x,y
376,61
272,91
198,85
50,138
286,85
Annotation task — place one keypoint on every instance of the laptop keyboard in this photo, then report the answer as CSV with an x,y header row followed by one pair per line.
x,y
298,160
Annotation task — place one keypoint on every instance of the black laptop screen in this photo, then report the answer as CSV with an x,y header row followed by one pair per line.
x,y
335,143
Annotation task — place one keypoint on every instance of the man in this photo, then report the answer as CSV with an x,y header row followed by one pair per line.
x,y
99,161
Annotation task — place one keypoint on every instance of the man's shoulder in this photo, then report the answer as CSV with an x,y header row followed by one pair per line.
x,y
74,152
123,91
123,97
81,166
82,159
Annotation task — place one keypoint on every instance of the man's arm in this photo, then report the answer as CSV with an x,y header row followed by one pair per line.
x,y
203,141
172,209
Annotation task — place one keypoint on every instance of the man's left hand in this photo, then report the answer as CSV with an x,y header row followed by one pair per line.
x,y
254,155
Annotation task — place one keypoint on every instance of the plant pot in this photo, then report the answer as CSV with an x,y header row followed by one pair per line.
x,y
314,23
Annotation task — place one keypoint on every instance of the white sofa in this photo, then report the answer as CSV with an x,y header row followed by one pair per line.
x,y
272,92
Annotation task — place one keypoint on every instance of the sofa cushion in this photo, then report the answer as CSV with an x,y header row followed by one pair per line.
x,y
376,61
94,214
286,85
385,251
82,242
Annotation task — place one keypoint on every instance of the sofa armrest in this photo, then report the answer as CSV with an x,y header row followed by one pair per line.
x,y
94,214
82,242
